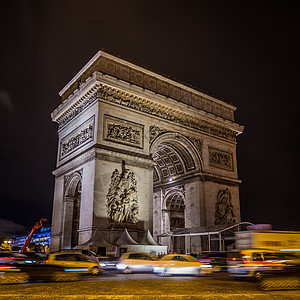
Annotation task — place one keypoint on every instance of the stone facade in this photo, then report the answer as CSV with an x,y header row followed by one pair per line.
x,y
140,151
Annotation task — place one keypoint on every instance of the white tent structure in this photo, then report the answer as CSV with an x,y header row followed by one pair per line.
x,y
97,240
125,240
148,240
148,244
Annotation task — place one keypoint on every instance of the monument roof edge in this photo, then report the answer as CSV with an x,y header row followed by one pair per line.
x,y
86,66
117,59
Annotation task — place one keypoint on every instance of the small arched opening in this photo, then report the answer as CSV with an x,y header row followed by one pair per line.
x,y
72,201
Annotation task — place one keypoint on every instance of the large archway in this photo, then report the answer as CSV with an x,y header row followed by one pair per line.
x,y
176,160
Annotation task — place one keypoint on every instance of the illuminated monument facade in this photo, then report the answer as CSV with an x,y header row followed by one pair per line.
x,y
139,151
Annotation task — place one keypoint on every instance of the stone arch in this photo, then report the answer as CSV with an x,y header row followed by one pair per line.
x,y
72,200
73,184
175,155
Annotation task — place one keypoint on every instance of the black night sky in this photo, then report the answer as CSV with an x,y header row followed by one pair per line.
x,y
243,52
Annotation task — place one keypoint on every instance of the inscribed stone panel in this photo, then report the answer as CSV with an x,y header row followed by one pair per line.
x,y
186,97
226,112
122,72
109,67
162,87
216,109
149,82
196,101
206,104
136,77
174,92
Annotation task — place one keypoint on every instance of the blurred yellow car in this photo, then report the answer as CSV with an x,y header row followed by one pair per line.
x,y
137,262
74,262
181,264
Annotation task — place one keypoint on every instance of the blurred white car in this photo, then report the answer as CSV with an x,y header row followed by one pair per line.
x,y
181,264
137,262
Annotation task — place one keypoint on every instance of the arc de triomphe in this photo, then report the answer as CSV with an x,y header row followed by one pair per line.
x,y
139,151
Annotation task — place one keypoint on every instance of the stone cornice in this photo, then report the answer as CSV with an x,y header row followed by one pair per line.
x,y
74,163
70,109
102,152
213,177
94,89
133,74
114,156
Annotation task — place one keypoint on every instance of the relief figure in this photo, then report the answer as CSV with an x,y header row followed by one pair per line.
x,y
122,199
224,212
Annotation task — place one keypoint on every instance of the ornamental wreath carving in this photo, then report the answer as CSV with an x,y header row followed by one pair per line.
x,y
122,199
224,209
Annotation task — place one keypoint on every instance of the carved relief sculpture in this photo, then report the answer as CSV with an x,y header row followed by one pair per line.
x,y
220,159
79,137
224,209
124,132
122,199
154,132
198,144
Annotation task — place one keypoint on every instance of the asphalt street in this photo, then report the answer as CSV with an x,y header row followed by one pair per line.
x,y
111,285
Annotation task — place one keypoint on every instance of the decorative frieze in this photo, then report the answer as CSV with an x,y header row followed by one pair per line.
x,y
75,110
220,159
123,131
158,110
77,138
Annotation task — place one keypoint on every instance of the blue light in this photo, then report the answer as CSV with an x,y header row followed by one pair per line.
x,y
77,270
289,249
28,261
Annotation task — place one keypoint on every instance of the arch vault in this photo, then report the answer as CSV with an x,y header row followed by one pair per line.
x,y
139,151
